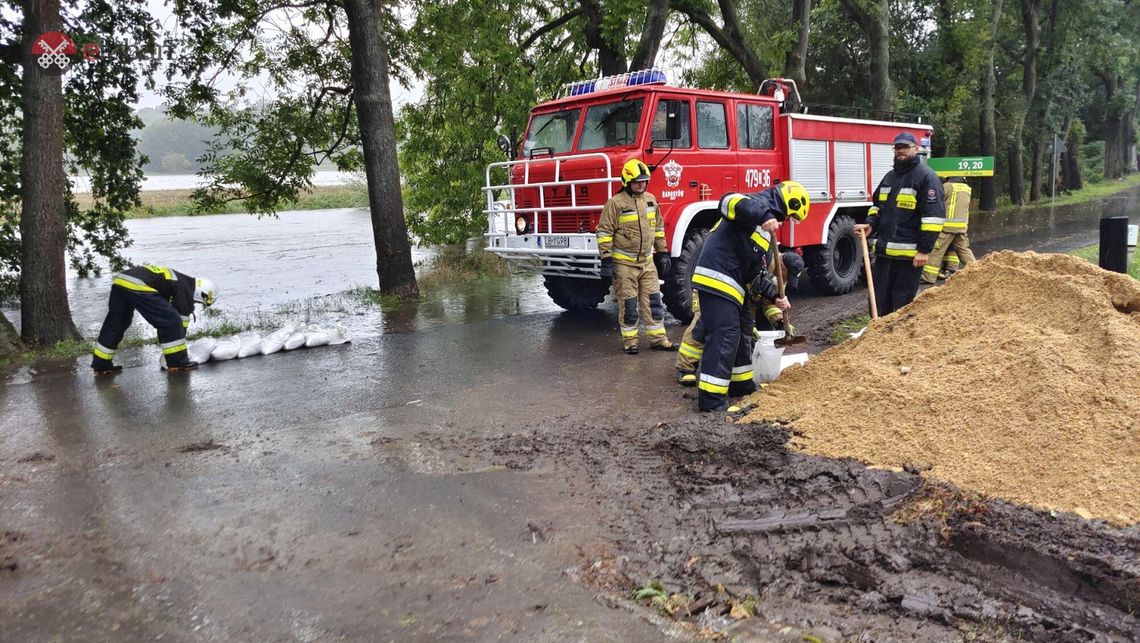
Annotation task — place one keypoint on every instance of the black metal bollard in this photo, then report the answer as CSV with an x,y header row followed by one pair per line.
x,y
1114,244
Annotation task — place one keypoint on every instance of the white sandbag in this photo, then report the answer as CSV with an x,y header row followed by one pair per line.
x,y
200,349
316,336
276,341
766,358
339,336
226,349
250,344
295,340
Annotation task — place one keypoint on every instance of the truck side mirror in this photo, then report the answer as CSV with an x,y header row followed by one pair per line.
x,y
672,123
505,145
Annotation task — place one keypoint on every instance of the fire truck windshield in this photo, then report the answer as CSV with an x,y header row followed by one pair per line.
x,y
611,125
552,131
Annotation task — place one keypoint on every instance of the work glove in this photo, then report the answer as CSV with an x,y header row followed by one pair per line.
x,y
607,268
764,285
661,260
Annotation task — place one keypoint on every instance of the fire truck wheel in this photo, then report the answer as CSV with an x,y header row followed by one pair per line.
x,y
575,294
678,290
834,266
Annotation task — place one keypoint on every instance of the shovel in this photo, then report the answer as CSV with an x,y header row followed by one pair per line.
x,y
781,279
870,279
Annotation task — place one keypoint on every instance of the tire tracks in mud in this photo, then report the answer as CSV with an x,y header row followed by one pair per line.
x,y
722,512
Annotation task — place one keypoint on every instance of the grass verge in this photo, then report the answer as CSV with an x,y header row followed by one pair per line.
x,y
177,203
842,329
1090,192
1092,255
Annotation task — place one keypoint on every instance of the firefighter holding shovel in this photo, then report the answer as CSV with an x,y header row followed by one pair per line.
x,y
735,257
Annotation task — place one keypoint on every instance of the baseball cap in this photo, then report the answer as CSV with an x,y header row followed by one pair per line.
x,y
906,138
795,265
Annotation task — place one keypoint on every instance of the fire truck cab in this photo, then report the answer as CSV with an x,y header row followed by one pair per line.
x,y
543,204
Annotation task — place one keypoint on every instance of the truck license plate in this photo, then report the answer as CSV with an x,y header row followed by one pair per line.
x,y
557,242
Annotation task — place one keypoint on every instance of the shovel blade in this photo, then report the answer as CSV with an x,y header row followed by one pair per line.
x,y
794,340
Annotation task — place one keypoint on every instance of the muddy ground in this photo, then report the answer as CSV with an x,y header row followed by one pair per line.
x,y
827,548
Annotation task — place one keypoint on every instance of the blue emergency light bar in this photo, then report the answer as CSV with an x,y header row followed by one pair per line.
x,y
641,77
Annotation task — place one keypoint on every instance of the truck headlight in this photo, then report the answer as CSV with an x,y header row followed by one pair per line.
x,y
521,225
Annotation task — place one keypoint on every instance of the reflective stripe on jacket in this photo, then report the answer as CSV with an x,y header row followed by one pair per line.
x,y
737,250
169,284
957,207
908,213
631,229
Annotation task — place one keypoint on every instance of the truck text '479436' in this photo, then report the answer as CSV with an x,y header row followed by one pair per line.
x,y
544,205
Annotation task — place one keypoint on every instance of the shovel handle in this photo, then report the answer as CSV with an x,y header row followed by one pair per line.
x,y
870,279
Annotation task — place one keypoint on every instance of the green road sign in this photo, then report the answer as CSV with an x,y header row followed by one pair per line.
x,y
963,166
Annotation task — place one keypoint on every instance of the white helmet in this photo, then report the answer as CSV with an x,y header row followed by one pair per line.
x,y
205,292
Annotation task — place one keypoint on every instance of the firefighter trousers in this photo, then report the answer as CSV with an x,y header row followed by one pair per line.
x,y
949,244
156,310
638,294
726,364
896,283
692,348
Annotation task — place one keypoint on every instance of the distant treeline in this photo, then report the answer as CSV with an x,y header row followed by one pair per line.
x,y
172,146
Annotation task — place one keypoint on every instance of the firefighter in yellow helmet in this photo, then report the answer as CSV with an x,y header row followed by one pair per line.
x,y
631,243
735,257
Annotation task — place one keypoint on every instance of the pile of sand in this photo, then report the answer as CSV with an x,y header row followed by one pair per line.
x,y
1019,378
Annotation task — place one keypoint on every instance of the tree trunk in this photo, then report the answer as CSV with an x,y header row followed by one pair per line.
x,y
611,58
988,131
651,35
1037,156
795,63
1129,134
1113,152
1016,170
45,317
378,135
9,338
876,25
1071,161
1028,89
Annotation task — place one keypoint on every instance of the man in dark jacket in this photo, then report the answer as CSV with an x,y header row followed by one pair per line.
x,y
907,217
165,298
735,257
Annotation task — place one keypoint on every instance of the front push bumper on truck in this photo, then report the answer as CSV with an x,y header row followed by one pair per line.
x,y
566,255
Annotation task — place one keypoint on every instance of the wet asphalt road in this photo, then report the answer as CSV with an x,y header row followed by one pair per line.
x,y
259,499
288,497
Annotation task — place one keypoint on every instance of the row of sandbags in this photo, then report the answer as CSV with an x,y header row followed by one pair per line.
x,y
249,343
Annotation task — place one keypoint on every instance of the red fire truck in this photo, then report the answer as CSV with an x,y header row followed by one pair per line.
x,y
542,205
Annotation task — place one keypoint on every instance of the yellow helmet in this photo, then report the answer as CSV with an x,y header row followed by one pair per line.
x,y
796,199
634,170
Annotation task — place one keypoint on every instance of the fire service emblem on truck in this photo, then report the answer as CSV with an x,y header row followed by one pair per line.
x,y
672,171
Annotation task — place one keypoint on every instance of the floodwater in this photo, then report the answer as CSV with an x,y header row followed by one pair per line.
x,y
293,267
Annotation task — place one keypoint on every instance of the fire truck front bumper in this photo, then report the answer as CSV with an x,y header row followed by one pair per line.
x,y
567,255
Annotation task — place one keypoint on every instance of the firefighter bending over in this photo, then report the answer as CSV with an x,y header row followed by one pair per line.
x,y
735,255
631,242
689,357
165,298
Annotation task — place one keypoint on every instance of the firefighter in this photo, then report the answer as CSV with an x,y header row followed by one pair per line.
x,y
952,240
907,216
165,298
631,242
692,348
735,255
